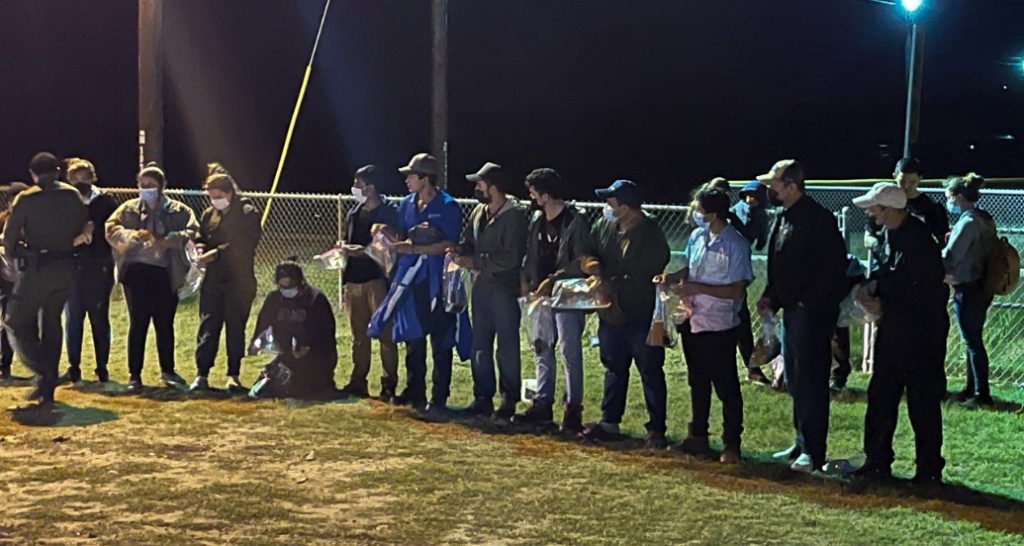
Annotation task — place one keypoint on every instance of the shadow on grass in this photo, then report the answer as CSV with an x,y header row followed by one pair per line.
x,y
60,415
759,473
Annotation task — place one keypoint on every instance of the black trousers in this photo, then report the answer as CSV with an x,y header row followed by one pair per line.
x,y
6,349
710,362
745,335
912,364
147,291
89,297
807,353
841,353
33,320
223,307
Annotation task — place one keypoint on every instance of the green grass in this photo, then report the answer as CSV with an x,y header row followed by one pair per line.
x,y
166,468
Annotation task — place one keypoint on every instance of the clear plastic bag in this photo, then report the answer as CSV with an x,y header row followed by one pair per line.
x,y
852,313
382,250
589,294
768,344
196,272
663,331
539,320
264,344
456,298
333,259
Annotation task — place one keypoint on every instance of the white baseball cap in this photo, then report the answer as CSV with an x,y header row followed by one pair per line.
x,y
886,194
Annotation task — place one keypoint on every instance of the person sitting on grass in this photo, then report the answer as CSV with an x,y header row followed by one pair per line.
x,y
301,324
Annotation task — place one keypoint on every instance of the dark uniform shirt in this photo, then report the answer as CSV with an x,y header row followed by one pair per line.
x,y
303,321
629,261
806,257
358,223
235,233
44,221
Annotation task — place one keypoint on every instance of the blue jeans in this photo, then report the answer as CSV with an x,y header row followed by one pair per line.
x,y
440,326
89,296
495,314
621,345
970,306
568,333
807,353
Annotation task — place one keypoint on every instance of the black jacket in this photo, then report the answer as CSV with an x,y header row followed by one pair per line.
x,y
909,278
98,252
573,245
306,320
806,257
235,235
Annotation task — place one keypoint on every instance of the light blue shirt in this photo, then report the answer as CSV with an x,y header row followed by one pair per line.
x,y
717,260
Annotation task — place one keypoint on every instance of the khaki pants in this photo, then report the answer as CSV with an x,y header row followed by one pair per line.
x,y
361,300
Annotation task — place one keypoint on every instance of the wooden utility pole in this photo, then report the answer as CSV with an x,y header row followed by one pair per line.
x,y
439,96
151,82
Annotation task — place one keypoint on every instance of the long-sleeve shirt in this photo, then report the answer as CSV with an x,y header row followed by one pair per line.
x,y
44,220
910,276
629,262
573,234
969,246
303,321
358,223
234,233
806,257
171,220
497,245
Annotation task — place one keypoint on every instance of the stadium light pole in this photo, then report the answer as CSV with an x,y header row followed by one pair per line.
x,y
915,58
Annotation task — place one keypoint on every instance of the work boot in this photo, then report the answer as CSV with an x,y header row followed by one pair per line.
x,y
539,413
572,419
436,413
354,391
506,410
697,446
172,379
199,384
601,432
479,407
234,385
757,377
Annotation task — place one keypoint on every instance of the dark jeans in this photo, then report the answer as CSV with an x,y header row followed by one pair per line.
x,y
147,291
841,353
621,345
33,320
495,314
914,364
710,362
223,307
807,354
90,296
970,306
440,326
6,350
745,335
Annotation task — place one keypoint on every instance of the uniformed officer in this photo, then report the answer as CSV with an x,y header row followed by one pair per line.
x,y
45,224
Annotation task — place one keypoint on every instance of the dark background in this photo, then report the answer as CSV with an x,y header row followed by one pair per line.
x,y
666,93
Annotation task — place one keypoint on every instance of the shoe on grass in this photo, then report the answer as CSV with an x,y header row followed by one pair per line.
x,y
697,446
172,379
102,375
730,455
135,384
506,410
978,402
757,377
234,385
791,453
572,419
353,391
199,384
601,432
655,440
72,376
539,413
803,464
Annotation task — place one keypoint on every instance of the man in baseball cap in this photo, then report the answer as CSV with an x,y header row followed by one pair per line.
x,y
910,350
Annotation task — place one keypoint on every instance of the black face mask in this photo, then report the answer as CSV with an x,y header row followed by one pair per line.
x,y
773,198
482,196
535,205
84,188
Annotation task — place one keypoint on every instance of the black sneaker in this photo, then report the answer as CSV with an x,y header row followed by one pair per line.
x,y
480,407
539,413
926,480
436,413
597,433
506,410
872,473
73,375
135,384
572,419
354,391
978,402
386,395
698,446
963,395
655,440
838,384
102,375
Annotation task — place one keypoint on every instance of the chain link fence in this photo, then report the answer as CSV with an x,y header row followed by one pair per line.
x,y
304,225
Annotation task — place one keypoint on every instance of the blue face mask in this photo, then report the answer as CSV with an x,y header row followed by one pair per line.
x,y
953,208
698,218
289,292
149,195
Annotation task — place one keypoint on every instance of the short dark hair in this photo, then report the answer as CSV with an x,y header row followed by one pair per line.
x,y
369,174
713,200
968,185
909,165
152,170
291,269
545,180
720,183
44,163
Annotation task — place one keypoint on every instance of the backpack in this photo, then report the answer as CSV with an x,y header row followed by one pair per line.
x,y
1002,271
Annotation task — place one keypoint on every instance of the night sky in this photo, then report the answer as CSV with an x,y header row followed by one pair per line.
x,y
666,93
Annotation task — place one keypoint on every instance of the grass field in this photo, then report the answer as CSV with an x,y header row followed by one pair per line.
x,y
169,468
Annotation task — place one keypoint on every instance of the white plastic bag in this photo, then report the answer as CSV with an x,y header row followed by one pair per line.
x,y
194,277
332,260
589,294
768,344
382,250
456,298
663,331
539,320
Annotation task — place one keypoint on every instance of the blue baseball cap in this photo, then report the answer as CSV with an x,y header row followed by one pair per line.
x,y
626,191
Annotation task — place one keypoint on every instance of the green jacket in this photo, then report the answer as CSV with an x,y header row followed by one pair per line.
x,y
629,262
497,245
574,245
44,221
181,224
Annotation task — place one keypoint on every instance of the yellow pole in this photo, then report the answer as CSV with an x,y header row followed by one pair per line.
x,y
287,143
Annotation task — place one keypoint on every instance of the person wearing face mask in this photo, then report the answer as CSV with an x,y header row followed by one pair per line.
x,y
493,247
229,231
45,224
366,283
302,324
148,236
965,256
907,289
558,237
807,281
8,276
90,294
629,249
713,280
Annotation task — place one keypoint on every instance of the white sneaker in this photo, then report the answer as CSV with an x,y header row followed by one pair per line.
x,y
199,384
803,464
791,452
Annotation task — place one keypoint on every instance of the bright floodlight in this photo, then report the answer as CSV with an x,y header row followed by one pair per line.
x,y
911,5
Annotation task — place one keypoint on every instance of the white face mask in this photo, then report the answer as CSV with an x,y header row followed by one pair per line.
x,y
698,218
609,214
359,195
289,292
220,203
149,195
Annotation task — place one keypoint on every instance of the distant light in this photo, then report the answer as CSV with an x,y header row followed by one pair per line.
x,y
1006,137
911,5
1005,88
971,147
